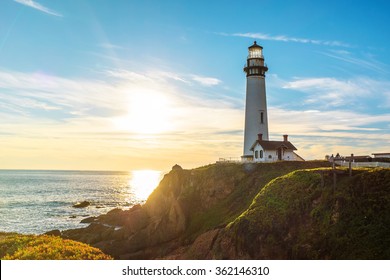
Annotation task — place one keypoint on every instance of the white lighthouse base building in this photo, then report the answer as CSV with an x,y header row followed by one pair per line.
x,y
270,151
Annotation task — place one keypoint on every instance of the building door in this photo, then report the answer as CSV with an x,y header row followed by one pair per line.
x,y
280,154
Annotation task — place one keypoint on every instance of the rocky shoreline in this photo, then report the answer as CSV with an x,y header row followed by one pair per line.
x,y
166,223
220,212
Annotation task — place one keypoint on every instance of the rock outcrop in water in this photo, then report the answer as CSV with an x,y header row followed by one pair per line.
x,y
81,204
251,211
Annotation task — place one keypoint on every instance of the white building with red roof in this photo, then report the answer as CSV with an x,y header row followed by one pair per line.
x,y
269,151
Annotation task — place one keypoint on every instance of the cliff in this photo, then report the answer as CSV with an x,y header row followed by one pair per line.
x,y
296,217
251,211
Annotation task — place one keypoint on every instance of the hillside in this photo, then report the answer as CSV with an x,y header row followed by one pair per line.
x,y
282,210
186,204
294,217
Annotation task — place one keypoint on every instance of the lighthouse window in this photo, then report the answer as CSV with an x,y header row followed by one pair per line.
x,y
261,117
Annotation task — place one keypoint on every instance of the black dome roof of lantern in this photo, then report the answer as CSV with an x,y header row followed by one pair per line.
x,y
255,45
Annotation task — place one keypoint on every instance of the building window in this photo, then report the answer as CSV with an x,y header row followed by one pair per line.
x,y
256,154
261,154
269,156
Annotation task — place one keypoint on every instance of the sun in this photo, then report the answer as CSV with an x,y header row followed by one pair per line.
x,y
148,113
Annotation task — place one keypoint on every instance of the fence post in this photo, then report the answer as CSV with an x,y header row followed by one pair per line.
x,y
350,165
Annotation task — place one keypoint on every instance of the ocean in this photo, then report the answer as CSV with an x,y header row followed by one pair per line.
x,y
37,201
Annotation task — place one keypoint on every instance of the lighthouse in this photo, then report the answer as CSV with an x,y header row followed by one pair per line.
x,y
256,120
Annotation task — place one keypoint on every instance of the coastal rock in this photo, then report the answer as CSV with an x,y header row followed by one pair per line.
x,y
201,248
132,220
91,234
54,232
82,204
177,167
88,220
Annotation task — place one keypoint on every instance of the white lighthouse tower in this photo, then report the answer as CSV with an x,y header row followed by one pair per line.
x,y
256,120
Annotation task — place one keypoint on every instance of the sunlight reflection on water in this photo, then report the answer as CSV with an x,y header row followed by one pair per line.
x,y
35,201
143,182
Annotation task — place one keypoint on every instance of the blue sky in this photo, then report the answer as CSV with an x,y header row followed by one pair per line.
x,y
146,84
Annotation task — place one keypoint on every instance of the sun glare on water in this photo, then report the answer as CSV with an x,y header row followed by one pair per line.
x,y
144,182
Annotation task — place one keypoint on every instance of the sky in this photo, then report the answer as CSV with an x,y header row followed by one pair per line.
x,y
126,85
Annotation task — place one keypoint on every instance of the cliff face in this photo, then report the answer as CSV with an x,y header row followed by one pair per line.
x,y
230,211
186,204
296,216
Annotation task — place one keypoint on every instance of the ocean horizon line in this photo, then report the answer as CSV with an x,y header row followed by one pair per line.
x,y
77,170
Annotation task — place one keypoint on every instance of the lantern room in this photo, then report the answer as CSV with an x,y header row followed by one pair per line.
x,y
255,61
255,51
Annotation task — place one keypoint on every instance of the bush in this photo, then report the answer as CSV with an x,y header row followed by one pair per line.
x,y
43,247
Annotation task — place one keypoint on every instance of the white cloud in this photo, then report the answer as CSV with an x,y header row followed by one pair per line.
x,y
316,133
340,92
60,92
315,122
127,75
164,76
56,116
111,46
15,102
365,61
21,93
206,81
37,6
284,38
171,76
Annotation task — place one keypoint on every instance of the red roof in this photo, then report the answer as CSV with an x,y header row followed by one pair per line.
x,y
274,145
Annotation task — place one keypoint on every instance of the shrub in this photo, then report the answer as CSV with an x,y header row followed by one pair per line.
x,y
43,247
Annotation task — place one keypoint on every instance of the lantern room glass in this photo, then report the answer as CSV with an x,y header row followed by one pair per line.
x,y
255,52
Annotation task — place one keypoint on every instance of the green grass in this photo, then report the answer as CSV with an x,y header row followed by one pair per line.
x,y
248,180
294,217
42,247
